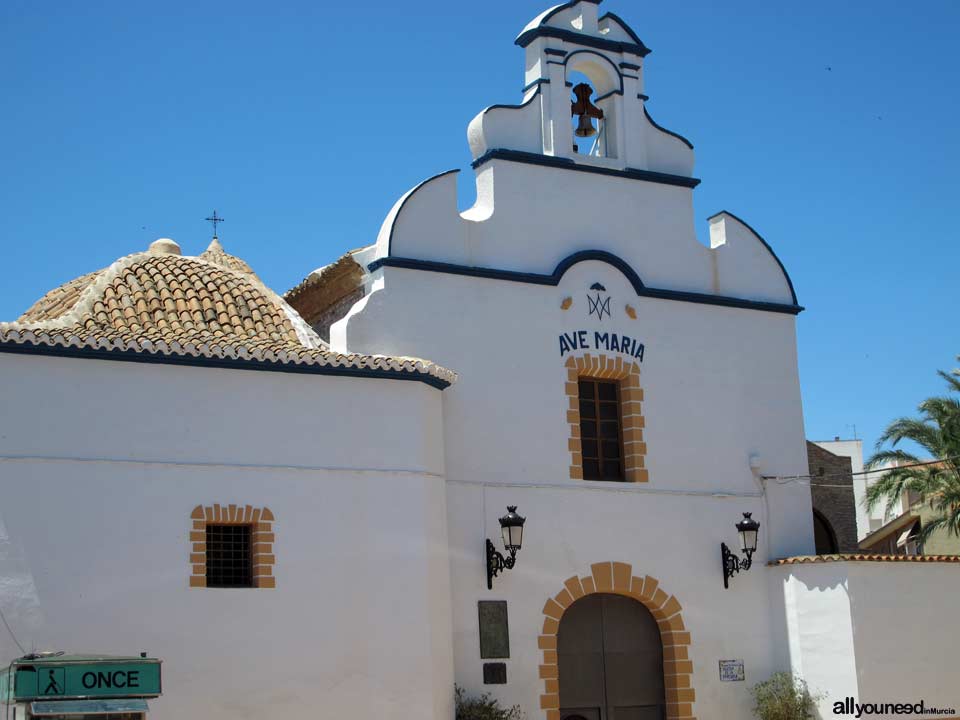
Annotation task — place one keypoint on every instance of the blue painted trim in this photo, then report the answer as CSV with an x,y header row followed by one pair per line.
x,y
529,36
507,107
641,96
681,138
626,28
629,66
603,256
223,363
606,95
786,275
553,279
565,6
552,51
620,75
568,164
413,192
607,60
502,107
535,83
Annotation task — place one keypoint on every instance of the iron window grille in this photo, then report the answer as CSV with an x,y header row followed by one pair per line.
x,y
229,556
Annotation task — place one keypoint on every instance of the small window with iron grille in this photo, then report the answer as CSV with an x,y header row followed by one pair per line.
x,y
229,556
601,429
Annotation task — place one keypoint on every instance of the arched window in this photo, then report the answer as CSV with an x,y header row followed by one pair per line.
x,y
589,121
596,87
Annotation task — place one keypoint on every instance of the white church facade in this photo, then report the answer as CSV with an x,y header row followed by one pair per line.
x,y
280,499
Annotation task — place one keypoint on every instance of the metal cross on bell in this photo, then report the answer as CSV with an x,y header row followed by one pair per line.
x,y
586,110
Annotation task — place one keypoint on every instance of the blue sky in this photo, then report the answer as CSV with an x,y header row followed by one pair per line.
x,y
830,127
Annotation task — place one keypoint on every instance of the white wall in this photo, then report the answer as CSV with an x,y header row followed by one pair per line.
x,y
672,537
855,631
101,464
528,218
720,385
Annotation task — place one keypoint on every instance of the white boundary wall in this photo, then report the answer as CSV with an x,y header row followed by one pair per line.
x,y
101,464
880,632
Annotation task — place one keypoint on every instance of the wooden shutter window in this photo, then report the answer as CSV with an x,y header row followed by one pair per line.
x,y
601,435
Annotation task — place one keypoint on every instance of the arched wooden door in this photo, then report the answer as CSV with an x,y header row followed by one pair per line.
x,y
610,661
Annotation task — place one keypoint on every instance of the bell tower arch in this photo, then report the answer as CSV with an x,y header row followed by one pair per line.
x,y
561,45
574,39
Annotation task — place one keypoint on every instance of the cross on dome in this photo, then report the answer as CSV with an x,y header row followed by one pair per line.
x,y
213,219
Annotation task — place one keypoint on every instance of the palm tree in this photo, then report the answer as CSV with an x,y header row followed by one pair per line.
x,y
937,431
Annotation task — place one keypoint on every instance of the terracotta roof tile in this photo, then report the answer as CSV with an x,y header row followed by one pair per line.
x,y
865,557
59,300
211,305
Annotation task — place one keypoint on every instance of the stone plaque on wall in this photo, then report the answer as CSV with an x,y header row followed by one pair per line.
x,y
494,632
494,673
731,671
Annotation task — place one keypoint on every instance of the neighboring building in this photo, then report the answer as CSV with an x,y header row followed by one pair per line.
x,y
901,534
306,529
868,520
894,530
832,494
853,449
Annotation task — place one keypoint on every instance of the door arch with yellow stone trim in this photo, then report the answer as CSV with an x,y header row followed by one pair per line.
x,y
617,578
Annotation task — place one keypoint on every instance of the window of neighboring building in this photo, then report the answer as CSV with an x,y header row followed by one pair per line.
x,y
601,429
229,556
911,541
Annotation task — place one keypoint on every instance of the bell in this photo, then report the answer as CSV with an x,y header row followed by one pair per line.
x,y
585,109
585,127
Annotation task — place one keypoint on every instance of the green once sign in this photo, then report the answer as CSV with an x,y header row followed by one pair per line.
x,y
84,680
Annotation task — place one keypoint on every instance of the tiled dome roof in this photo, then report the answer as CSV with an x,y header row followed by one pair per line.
x,y
211,305
215,254
162,295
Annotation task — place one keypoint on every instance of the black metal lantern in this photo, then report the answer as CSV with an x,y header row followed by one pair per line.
x,y
511,528
748,529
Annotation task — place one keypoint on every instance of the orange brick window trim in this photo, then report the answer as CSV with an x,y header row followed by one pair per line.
x,y
260,521
617,578
627,373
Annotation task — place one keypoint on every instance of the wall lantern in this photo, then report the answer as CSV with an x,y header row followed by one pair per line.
x,y
511,527
748,528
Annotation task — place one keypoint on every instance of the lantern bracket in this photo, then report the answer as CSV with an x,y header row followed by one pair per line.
x,y
497,563
733,564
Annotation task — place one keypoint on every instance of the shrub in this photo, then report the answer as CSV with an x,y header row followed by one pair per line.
x,y
783,697
483,708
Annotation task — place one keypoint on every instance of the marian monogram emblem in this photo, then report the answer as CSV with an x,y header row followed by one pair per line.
x,y
599,304
604,339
